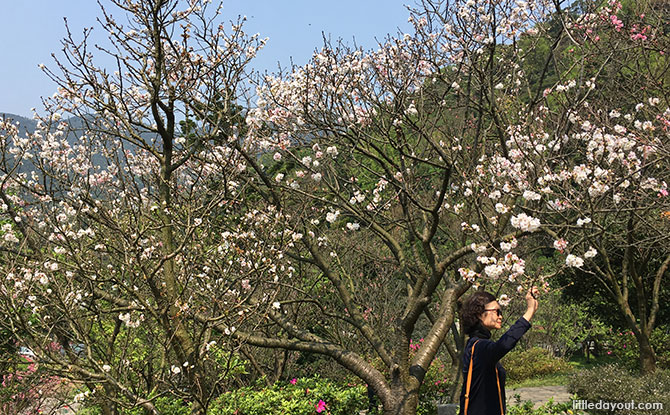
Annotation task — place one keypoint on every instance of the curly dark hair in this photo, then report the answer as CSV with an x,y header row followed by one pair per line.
x,y
473,308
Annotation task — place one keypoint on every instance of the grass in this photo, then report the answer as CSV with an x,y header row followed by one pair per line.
x,y
577,363
580,363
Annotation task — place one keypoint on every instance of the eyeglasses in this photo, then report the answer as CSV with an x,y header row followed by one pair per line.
x,y
497,310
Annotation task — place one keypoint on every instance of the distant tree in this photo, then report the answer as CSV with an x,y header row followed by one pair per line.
x,y
599,177
118,265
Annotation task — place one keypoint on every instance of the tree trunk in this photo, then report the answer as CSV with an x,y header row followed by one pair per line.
x,y
109,408
647,355
197,409
405,402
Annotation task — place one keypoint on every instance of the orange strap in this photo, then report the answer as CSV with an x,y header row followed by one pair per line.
x,y
499,392
469,381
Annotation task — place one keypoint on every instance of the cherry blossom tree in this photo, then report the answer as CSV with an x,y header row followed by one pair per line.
x,y
595,159
127,239
389,168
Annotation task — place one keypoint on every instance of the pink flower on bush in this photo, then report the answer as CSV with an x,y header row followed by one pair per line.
x,y
294,381
618,24
321,406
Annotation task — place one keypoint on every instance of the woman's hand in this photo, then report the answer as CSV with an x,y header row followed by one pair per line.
x,y
531,302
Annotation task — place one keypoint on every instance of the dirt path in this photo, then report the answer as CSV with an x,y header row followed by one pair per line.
x,y
538,395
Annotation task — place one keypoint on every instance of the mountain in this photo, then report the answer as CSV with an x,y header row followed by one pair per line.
x,y
77,126
29,125
25,124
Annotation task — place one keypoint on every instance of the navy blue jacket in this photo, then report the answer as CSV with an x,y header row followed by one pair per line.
x,y
484,388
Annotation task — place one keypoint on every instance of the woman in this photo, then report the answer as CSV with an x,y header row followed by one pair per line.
x,y
483,390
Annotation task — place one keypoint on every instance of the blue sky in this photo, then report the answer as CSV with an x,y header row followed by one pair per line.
x,y
32,29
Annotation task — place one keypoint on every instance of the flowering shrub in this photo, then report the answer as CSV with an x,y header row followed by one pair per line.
x,y
24,391
623,345
435,387
302,396
438,378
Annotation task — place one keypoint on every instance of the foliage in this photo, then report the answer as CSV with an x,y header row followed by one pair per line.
x,y
623,345
614,383
660,340
298,397
438,380
436,384
164,405
534,362
549,408
561,325
8,349
25,390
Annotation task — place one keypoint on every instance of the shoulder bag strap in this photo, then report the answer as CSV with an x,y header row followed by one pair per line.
x,y
499,392
469,381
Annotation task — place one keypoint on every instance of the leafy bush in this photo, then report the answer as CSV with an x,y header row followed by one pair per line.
x,y
299,397
623,345
437,382
612,383
549,408
165,405
660,341
534,362
561,326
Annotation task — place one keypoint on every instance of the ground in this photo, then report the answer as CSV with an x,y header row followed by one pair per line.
x,y
538,395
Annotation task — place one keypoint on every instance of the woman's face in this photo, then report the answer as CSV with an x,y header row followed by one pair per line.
x,y
492,316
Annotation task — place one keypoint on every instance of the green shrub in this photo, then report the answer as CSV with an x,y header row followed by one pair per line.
x,y
624,346
300,398
612,383
165,405
531,363
660,341
437,382
549,408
